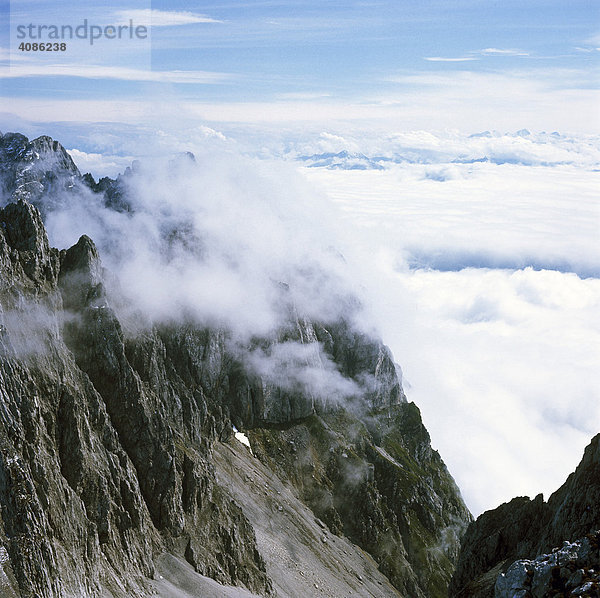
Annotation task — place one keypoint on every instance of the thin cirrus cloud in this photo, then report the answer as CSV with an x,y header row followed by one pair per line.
x,y
502,52
163,18
443,59
475,55
113,73
594,40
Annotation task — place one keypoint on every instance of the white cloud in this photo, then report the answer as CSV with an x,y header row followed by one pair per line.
x,y
484,52
100,165
161,18
307,95
594,40
302,367
479,100
329,142
502,52
497,215
464,100
502,362
441,59
504,368
239,229
87,71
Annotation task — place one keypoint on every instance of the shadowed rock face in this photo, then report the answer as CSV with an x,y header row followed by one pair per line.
x,y
375,479
99,472
524,528
115,475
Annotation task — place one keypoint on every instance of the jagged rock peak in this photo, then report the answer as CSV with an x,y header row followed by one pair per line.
x,y
42,150
81,275
525,529
567,571
28,169
23,230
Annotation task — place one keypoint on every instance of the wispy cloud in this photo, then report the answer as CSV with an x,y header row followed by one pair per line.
x,y
468,100
502,52
309,95
162,18
594,40
112,72
476,54
442,59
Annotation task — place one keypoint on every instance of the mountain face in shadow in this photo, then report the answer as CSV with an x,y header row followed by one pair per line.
x,y
524,545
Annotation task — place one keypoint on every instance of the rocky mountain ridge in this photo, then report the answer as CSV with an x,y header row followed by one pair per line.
x,y
520,536
119,473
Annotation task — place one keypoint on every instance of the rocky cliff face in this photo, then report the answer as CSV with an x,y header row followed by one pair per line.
x,y
119,473
508,539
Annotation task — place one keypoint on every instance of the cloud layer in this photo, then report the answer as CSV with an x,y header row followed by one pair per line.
x,y
439,99
504,365
501,201
501,357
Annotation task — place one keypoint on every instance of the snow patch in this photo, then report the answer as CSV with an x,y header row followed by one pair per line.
x,y
241,437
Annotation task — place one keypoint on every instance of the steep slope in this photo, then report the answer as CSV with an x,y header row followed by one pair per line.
x,y
524,528
119,475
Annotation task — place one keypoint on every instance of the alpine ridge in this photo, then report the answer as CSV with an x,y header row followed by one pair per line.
x,y
535,548
120,475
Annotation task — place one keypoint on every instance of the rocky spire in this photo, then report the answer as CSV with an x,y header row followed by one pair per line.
x,y
524,528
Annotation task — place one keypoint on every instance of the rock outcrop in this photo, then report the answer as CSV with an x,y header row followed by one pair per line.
x,y
571,570
36,170
513,539
119,473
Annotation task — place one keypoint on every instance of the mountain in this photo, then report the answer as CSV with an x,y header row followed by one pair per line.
x,y
524,545
344,160
121,473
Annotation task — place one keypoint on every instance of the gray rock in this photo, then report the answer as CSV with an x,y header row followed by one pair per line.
x,y
112,437
524,529
555,573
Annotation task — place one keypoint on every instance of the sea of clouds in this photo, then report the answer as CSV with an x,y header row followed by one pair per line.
x,y
488,293
476,256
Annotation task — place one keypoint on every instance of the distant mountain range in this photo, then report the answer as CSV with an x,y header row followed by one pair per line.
x,y
429,154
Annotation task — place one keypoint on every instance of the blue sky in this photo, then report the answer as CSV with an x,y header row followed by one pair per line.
x,y
298,61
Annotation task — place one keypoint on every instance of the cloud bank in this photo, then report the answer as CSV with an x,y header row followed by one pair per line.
x,y
501,357
224,241
499,201
503,365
